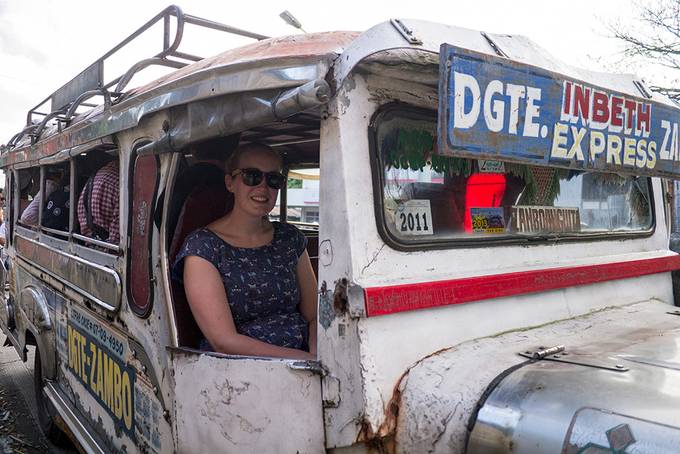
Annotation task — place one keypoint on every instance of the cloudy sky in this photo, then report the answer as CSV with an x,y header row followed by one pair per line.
x,y
45,43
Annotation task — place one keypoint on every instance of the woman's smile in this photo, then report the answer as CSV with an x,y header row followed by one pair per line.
x,y
259,198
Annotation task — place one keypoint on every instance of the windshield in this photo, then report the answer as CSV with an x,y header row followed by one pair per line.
x,y
427,197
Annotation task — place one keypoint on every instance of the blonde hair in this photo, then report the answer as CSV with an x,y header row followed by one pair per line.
x,y
233,161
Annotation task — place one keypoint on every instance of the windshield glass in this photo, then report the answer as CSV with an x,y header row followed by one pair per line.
x,y
427,197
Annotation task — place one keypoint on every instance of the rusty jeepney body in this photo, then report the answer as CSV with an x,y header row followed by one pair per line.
x,y
479,290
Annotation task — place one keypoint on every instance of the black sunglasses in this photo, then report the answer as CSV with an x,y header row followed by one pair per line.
x,y
253,177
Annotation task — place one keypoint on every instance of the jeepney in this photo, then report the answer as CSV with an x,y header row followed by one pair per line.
x,y
492,250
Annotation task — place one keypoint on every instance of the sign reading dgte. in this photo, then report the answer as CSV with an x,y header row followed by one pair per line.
x,y
497,109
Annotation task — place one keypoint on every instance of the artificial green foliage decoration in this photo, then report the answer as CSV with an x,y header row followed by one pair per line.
x,y
524,172
412,150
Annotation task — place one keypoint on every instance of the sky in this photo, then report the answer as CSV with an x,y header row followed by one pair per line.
x,y
45,43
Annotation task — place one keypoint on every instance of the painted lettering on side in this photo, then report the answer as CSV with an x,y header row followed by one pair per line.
x,y
114,343
110,381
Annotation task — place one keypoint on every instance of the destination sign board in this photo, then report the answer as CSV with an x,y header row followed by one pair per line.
x,y
494,108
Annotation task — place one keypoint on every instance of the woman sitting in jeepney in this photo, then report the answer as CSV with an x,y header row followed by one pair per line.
x,y
249,282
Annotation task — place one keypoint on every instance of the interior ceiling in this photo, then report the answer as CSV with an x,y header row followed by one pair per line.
x,y
296,138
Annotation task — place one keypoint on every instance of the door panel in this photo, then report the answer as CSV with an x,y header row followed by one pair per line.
x,y
227,404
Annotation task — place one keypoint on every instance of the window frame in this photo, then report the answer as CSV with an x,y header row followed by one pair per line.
x,y
398,109
133,287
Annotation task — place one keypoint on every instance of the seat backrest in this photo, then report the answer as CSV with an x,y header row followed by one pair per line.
x,y
200,198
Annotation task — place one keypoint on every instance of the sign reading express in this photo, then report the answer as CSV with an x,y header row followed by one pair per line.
x,y
493,108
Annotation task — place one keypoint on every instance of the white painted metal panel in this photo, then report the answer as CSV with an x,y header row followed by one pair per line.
x,y
227,404
389,345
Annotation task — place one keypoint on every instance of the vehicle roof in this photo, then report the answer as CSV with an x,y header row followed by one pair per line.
x,y
310,46
273,63
289,62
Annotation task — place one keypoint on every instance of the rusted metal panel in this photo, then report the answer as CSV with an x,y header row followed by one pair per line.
x,y
90,79
495,108
102,285
274,63
240,404
311,45
439,394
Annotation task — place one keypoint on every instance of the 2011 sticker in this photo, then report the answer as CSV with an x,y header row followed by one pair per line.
x,y
414,217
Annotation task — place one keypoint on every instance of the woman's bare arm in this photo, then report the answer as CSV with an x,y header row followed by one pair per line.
x,y
307,283
208,301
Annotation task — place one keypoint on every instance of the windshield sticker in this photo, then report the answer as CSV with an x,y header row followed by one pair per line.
x,y
494,108
414,217
488,166
536,219
487,220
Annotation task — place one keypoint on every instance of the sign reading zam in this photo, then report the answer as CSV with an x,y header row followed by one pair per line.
x,y
493,108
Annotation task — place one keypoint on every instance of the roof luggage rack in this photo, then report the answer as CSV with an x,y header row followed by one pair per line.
x,y
63,103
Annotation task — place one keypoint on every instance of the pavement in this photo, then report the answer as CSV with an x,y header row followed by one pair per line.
x,y
19,430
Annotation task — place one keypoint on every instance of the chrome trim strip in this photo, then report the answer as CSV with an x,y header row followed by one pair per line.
x,y
79,431
73,272
104,244
29,268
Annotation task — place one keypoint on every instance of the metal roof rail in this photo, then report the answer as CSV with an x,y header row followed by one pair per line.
x,y
90,82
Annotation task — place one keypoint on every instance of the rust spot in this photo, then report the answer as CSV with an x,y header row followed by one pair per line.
x,y
383,440
61,424
340,296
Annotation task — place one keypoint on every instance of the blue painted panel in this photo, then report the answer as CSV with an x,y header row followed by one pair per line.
x,y
494,108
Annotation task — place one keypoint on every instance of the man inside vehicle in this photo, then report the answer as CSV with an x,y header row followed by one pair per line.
x,y
98,214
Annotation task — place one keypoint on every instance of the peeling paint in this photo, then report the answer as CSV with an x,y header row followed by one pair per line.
x,y
383,439
340,296
326,312
343,96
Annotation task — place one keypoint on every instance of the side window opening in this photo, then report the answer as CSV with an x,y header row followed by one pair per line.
x,y
427,198
28,185
198,198
301,196
55,207
97,210
301,162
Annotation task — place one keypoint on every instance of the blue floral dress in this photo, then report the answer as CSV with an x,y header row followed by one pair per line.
x,y
261,283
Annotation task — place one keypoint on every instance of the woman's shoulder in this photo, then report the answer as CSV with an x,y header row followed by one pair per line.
x,y
202,242
202,235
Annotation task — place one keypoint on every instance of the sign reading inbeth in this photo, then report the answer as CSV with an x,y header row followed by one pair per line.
x,y
493,108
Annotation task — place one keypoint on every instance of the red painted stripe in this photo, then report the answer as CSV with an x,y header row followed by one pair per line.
x,y
408,297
